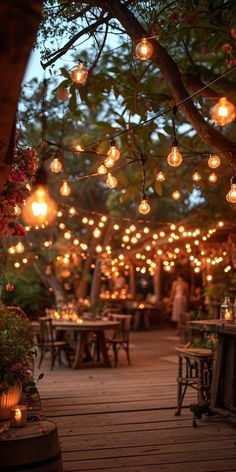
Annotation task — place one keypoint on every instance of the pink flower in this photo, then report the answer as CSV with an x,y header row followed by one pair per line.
x,y
227,48
233,32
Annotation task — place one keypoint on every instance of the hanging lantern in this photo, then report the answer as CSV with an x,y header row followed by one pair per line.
x,y
160,176
214,161
231,195
111,181
196,176
212,178
144,49
113,152
56,165
80,74
40,208
144,207
65,189
175,158
223,112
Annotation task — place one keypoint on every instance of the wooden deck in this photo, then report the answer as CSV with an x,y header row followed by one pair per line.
x,y
123,419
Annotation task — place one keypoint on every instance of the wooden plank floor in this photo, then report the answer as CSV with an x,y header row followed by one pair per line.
x,y
123,419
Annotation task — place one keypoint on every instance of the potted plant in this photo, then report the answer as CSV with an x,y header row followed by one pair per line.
x,y
16,357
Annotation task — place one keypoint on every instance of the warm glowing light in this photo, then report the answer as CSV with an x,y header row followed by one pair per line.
x,y
212,178
76,242
104,218
223,112
80,74
11,250
67,235
79,148
102,170
65,189
231,195
113,152
146,230
59,214
56,165
214,161
62,225
125,238
116,227
209,278
85,220
25,260
160,176
144,49
196,176
17,210
111,181
175,158
40,209
176,195
144,207
17,265
19,248
109,162
220,224
97,233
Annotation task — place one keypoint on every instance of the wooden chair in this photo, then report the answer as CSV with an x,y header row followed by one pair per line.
x,y
195,371
48,343
120,338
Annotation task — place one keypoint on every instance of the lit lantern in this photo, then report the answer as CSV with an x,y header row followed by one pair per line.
x,y
102,170
39,209
227,310
214,161
175,158
176,195
19,248
56,165
196,176
223,112
18,416
80,74
212,178
144,49
144,207
111,181
109,162
160,176
231,195
113,152
65,189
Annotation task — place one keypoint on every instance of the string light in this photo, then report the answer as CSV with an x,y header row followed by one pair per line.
x,y
113,152
17,210
111,181
102,170
176,195
231,195
212,178
97,233
223,112
40,208
175,158
214,161
196,176
144,49
56,165
19,248
144,207
80,74
65,189
160,176
109,162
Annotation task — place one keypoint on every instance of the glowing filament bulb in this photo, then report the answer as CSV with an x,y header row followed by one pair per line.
x,y
111,181
223,112
144,207
97,233
80,74
19,248
102,170
65,189
231,195
175,158
176,195
214,161
144,49
56,166
113,152
160,176
212,178
39,209
109,162
196,176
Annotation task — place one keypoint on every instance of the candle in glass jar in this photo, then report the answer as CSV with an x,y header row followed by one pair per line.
x,y
18,416
227,315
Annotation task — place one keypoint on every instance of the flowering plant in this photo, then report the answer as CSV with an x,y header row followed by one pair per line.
x,y
14,191
16,348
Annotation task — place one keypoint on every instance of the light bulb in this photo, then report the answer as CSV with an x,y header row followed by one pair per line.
x,y
160,177
223,112
176,195
19,248
212,178
40,208
11,250
65,189
79,148
80,74
231,195
196,176
113,152
175,158
111,181
109,162
144,207
102,170
56,165
144,49
214,161
17,210
72,211
97,233
62,93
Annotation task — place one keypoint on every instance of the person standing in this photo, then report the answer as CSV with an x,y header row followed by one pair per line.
x,y
179,298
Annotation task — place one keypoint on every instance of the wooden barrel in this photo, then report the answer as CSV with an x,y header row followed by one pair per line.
x,y
32,448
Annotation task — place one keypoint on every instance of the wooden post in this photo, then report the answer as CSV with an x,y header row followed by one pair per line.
x,y
132,281
157,282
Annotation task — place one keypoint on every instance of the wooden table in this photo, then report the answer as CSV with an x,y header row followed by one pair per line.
x,y
223,392
82,330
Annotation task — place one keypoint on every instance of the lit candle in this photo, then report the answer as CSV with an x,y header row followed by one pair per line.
x,y
18,416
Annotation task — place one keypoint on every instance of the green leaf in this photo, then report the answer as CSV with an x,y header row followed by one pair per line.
x,y
65,73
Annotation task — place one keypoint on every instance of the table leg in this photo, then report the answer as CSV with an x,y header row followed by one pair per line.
x,y
79,352
103,348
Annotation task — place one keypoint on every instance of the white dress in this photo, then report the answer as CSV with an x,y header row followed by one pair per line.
x,y
180,300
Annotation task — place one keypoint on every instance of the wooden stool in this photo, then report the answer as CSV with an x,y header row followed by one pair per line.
x,y
195,371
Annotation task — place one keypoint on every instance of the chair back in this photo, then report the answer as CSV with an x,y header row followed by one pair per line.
x,y
123,330
46,330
